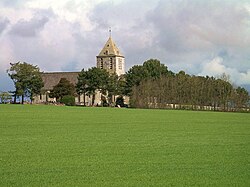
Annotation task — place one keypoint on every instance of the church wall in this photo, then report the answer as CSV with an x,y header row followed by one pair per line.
x,y
43,98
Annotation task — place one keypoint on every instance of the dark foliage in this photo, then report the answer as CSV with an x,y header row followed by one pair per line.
x,y
68,100
151,69
188,92
63,88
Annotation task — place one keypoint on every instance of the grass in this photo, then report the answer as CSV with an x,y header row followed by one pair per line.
x,y
74,146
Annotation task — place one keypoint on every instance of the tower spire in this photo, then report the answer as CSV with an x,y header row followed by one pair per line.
x,y
110,58
110,32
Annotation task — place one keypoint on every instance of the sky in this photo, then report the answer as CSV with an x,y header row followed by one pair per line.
x,y
200,37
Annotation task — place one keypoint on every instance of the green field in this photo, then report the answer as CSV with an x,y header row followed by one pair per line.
x,y
77,146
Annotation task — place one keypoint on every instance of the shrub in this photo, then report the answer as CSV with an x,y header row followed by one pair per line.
x,y
68,100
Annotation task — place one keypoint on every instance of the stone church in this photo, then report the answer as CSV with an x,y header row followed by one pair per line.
x,y
110,58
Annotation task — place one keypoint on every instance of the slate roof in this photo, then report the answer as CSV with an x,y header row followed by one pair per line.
x,y
53,78
111,48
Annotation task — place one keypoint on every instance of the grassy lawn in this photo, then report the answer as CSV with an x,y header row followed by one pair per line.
x,y
75,146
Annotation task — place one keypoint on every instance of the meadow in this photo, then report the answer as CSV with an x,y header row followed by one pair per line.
x,y
78,146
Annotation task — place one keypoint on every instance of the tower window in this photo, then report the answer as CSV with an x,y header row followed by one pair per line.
x,y
120,64
111,63
107,52
101,64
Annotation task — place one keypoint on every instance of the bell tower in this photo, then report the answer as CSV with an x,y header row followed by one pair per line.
x,y
111,59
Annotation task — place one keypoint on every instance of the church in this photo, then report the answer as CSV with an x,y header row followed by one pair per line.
x,y
110,58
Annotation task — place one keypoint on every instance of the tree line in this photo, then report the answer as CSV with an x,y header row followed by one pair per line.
x,y
150,85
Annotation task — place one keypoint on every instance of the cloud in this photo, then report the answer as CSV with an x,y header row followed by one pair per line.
x,y
185,26
4,22
13,3
6,56
245,78
29,28
216,68
199,37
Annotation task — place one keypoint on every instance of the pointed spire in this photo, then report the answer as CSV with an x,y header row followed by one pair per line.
x,y
110,48
110,32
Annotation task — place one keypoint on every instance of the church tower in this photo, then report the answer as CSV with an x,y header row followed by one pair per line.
x,y
111,59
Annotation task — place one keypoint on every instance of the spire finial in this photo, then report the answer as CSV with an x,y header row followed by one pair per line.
x,y
110,32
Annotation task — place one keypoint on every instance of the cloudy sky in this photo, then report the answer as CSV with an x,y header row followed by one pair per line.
x,y
201,37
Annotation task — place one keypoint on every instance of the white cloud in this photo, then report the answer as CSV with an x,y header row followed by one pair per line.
x,y
216,68
245,77
68,10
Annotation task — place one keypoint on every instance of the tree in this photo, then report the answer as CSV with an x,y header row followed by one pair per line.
x,y
155,69
27,79
82,85
121,85
133,77
182,87
5,97
151,69
63,88
97,79
241,97
114,87
91,80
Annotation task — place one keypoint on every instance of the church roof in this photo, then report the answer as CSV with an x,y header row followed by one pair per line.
x,y
53,78
110,49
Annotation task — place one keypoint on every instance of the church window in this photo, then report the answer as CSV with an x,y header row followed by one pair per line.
x,y
107,52
120,64
111,63
101,64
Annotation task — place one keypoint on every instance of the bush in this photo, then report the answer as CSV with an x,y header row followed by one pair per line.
x,y
68,100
